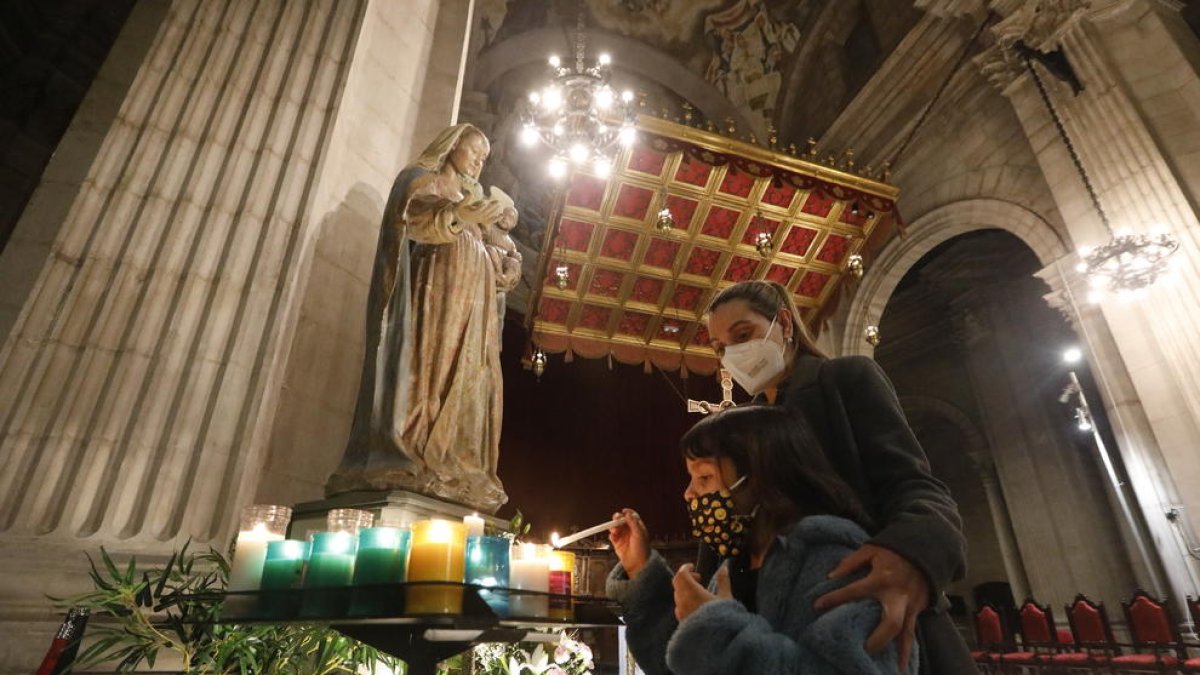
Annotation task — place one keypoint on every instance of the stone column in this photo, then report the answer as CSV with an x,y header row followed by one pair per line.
x,y
1131,134
1063,527
140,381
1005,536
1150,485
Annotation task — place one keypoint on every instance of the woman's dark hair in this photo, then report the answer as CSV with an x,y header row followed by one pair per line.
x,y
787,472
766,298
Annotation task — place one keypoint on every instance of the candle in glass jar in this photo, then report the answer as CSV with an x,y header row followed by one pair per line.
x,y
382,556
530,571
562,571
330,570
474,525
282,573
378,567
260,524
487,566
437,554
284,567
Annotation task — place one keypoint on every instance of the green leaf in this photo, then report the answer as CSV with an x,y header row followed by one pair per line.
x,y
112,567
162,578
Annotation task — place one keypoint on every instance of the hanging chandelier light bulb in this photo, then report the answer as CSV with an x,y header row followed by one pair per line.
x,y
872,335
1128,262
562,277
539,363
578,115
665,220
764,244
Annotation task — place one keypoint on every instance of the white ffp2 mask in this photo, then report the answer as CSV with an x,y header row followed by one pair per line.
x,y
755,363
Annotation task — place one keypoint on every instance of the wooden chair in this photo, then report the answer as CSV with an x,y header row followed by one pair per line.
x,y
1092,634
1158,647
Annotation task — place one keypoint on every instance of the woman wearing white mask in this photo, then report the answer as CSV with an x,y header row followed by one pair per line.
x,y
918,546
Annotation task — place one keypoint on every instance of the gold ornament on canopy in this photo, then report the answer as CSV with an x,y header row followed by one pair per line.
x,y
739,211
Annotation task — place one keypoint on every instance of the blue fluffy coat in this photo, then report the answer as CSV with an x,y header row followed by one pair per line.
x,y
787,636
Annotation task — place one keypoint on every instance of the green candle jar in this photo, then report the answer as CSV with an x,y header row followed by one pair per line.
x,y
283,575
330,571
382,556
381,563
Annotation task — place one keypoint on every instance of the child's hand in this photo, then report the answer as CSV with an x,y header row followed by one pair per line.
x,y
631,542
690,595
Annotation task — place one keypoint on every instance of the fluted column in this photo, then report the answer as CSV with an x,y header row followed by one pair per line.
x,y
1006,538
236,196
1054,496
130,382
1126,55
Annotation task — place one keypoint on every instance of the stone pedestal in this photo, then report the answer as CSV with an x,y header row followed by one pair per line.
x,y
393,507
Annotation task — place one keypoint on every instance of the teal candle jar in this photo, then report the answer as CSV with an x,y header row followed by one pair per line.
x,y
330,571
331,562
381,563
283,575
487,564
382,556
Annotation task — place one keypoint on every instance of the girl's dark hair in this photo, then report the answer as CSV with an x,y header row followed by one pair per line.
x,y
766,298
787,472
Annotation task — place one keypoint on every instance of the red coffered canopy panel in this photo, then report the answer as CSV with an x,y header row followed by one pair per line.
x,y
637,293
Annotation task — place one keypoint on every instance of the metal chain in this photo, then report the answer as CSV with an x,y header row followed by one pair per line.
x,y
937,95
1062,132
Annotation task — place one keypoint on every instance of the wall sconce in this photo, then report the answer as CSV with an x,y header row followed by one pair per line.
x,y
872,335
562,277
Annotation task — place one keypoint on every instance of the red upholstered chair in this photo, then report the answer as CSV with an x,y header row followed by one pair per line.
x,y
1093,636
991,638
1192,665
1156,639
1039,639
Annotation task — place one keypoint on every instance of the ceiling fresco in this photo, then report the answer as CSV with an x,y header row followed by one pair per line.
x,y
741,47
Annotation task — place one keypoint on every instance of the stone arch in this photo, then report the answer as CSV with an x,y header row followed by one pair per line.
x,y
639,58
977,449
931,229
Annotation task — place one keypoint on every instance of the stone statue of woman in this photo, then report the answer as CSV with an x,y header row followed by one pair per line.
x,y
430,401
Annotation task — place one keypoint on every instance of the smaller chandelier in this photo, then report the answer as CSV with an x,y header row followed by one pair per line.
x,y
1126,263
665,220
872,335
764,244
855,264
579,116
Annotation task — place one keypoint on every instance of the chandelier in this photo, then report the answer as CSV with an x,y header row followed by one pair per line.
x,y
1127,262
578,115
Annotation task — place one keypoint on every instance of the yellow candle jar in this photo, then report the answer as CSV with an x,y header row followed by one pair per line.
x,y
437,554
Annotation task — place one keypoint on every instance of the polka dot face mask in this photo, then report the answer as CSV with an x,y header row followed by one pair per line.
x,y
715,522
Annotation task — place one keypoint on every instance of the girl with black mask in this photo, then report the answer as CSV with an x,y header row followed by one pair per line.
x,y
762,494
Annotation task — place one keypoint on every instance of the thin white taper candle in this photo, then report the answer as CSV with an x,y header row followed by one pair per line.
x,y
559,542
